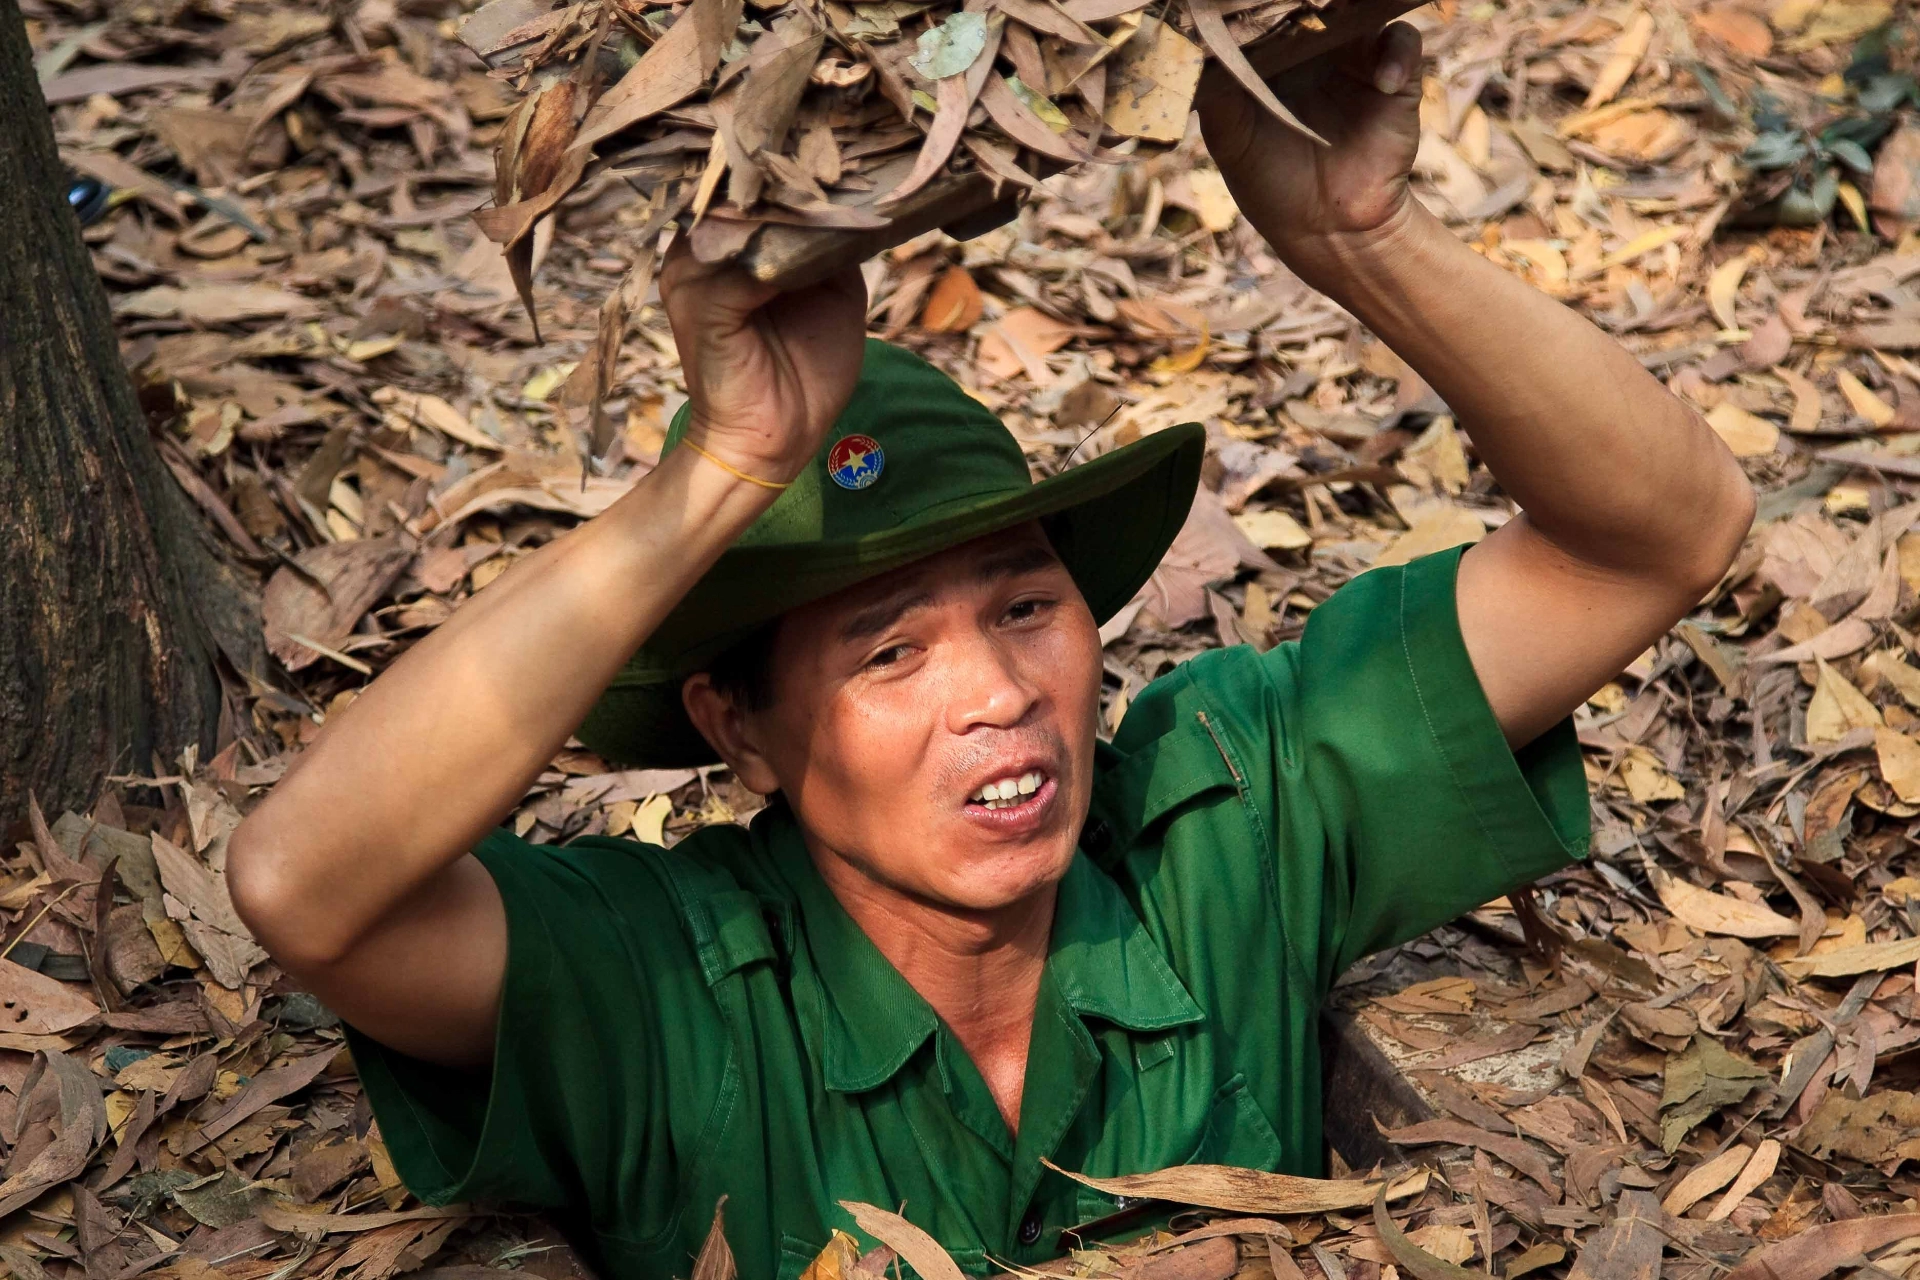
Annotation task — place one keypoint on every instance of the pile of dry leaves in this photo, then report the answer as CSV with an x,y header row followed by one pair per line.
x,y
1694,1049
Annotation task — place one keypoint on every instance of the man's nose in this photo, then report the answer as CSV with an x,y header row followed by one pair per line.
x,y
989,689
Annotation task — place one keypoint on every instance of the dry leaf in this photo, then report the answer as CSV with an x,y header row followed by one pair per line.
x,y
1439,527
1837,708
1717,913
954,305
920,1250
1151,81
1623,60
1214,1186
1747,435
34,1004
1706,1178
1646,779
1875,957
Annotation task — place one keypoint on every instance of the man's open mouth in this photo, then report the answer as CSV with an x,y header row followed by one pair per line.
x,y
1005,793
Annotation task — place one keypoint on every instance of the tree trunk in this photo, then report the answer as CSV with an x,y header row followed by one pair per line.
x,y
108,583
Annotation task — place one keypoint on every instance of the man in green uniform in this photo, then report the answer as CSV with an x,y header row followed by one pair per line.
x,y
966,936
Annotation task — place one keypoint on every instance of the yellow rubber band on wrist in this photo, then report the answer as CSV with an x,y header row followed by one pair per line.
x,y
736,472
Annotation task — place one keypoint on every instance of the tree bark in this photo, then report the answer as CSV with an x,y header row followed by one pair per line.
x,y
113,602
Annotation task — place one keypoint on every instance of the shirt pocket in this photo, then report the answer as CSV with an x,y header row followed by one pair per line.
x,y
1237,1131
796,1255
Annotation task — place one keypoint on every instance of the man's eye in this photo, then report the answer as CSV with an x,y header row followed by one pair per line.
x,y
1025,610
888,656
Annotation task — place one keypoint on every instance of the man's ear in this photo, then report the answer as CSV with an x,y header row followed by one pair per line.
x,y
729,731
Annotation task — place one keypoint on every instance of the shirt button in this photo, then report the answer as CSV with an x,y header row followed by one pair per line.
x,y
1097,837
1030,1227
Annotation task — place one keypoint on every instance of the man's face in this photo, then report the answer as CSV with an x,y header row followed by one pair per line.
x,y
934,727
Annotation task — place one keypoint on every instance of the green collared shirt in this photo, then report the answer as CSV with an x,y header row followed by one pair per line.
x,y
681,1025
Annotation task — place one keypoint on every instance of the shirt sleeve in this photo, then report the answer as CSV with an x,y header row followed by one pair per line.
x,y
1424,810
573,1111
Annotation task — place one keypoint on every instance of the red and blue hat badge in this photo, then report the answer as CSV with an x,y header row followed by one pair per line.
x,y
855,461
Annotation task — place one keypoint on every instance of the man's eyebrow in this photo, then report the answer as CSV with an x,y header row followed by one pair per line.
x,y
913,594
1014,562
875,618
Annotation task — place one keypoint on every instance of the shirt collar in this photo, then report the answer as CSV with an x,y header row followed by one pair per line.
x,y
872,1021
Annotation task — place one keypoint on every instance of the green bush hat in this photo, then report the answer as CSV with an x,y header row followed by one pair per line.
x,y
914,466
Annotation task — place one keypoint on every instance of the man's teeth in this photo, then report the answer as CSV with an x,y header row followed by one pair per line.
x,y
1008,791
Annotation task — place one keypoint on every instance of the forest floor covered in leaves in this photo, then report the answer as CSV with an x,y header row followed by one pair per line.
x,y
1698,1047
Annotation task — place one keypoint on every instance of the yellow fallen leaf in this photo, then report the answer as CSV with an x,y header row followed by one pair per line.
x,y
1585,122
1218,212
1623,60
1766,1158
1705,911
370,348
1865,403
836,1261
1856,204
650,819
1899,763
1724,286
1846,932
1441,526
1837,708
1186,361
1875,957
1444,1241
1748,435
120,1108
543,384
1151,83
1705,1179
1638,247
1276,530
1646,779
1840,20
1216,1186
1437,458
1789,16
1889,666
1544,257
1901,889
1806,399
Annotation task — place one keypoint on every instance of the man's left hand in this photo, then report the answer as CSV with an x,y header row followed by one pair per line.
x,y
1365,100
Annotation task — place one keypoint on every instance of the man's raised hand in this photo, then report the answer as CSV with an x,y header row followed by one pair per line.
x,y
1365,100
767,372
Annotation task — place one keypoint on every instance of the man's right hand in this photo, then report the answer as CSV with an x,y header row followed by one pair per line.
x,y
355,873
767,372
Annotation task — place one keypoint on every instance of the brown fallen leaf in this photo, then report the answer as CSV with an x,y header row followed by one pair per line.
x,y
1883,1129
1212,26
1719,913
1214,1186
920,1250
1417,1262
716,1256
1151,81
1628,1248
1515,1151
213,303
354,574
1874,957
955,303
200,903
1705,1179
34,1004
1766,1158
1817,1252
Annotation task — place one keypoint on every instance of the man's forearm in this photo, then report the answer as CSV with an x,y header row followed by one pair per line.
x,y
1607,463
442,745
